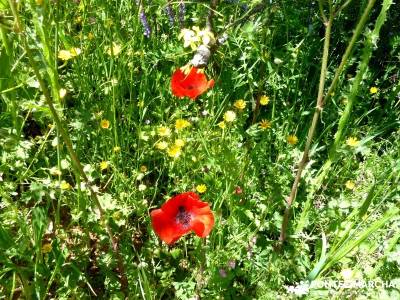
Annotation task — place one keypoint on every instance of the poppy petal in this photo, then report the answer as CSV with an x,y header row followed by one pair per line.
x,y
166,227
188,200
190,85
203,223
176,86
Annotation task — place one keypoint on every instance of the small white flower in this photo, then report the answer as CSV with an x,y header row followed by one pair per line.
x,y
95,189
189,38
87,168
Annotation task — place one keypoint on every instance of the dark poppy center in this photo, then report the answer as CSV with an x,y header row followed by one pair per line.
x,y
190,87
183,217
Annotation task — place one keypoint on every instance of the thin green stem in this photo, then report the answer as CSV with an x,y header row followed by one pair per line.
x,y
321,11
342,7
349,50
6,42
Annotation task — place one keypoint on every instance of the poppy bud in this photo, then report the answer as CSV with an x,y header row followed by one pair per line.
x,y
238,190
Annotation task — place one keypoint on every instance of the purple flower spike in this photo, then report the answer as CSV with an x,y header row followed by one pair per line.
x,y
170,14
145,23
182,11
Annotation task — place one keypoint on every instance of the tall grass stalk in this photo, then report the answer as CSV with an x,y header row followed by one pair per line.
x,y
39,21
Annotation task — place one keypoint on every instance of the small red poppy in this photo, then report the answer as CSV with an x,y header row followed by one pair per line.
x,y
191,85
180,215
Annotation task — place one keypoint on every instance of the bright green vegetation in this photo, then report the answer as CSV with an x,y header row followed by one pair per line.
x,y
89,63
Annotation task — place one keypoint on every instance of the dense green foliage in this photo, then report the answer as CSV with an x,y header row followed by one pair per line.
x,y
110,84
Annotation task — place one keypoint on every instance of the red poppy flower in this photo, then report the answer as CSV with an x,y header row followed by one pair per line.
x,y
180,215
191,85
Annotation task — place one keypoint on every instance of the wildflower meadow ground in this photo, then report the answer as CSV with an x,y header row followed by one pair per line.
x,y
199,149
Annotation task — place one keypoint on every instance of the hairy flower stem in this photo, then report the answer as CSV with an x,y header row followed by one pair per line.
x,y
68,143
321,100
311,132
351,99
349,50
342,125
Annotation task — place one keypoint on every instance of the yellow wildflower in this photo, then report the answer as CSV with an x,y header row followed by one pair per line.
x,y
222,125
64,55
265,124
292,139
46,248
65,185
142,187
201,188
264,100
373,90
229,116
143,169
117,149
105,124
352,141
240,104
350,185
90,36
179,143
162,145
68,54
181,124
174,151
103,165
164,131
114,50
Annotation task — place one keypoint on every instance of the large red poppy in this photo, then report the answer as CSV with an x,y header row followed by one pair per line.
x,y
180,215
191,85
